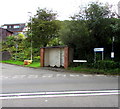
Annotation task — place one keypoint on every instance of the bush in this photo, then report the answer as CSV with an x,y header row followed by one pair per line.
x,y
21,56
106,64
36,58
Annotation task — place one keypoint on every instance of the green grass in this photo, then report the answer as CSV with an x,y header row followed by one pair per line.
x,y
13,62
34,64
95,71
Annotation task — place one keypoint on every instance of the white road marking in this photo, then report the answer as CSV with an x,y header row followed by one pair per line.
x,y
71,75
99,75
59,94
32,76
60,75
87,75
5,77
47,75
18,76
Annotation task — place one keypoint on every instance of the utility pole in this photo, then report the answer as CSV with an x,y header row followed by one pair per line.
x,y
119,8
31,34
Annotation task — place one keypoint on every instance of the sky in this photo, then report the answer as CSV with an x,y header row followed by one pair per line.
x,y
16,11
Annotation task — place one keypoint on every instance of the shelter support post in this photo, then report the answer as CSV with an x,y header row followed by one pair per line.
x,y
42,50
66,57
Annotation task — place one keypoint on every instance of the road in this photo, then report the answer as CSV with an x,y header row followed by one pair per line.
x,y
33,87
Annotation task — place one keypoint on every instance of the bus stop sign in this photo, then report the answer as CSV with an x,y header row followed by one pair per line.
x,y
98,49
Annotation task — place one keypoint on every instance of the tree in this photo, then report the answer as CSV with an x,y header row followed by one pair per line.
x,y
15,45
115,31
44,27
103,27
76,34
90,28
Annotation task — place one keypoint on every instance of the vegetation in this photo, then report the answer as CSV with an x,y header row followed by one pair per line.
x,y
100,67
84,69
13,62
93,27
76,35
106,65
17,46
44,28
34,64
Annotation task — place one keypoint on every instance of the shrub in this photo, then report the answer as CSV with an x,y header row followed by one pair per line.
x,y
106,64
36,58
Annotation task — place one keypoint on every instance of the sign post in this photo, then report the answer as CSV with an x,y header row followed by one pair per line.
x,y
16,51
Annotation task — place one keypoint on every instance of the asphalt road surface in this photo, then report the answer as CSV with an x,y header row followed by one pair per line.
x,y
30,87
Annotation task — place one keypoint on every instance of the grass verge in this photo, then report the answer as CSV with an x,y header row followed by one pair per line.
x,y
34,64
96,71
79,68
